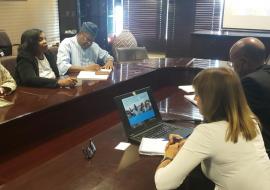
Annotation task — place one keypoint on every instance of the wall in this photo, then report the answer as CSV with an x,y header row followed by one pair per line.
x,y
17,16
178,45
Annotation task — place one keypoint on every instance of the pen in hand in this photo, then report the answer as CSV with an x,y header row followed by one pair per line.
x,y
173,138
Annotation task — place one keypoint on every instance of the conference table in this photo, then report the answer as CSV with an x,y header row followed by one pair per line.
x,y
43,132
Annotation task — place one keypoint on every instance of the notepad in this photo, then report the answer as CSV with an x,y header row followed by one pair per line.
x,y
186,88
91,75
152,147
191,98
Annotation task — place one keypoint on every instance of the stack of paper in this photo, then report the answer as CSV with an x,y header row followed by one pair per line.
x,y
103,74
191,98
151,147
187,88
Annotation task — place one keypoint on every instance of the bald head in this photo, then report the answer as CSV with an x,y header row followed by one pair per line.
x,y
247,54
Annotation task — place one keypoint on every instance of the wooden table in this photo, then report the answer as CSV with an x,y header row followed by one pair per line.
x,y
109,168
45,123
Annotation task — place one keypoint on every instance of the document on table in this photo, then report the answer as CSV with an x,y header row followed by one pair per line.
x,y
152,147
122,146
191,98
186,88
106,70
91,75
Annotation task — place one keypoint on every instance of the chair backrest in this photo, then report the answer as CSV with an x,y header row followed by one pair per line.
x,y
9,62
268,60
124,39
5,43
130,54
54,51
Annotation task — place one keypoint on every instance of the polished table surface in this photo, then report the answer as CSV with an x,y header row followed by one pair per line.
x,y
44,123
109,168
39,113
28,101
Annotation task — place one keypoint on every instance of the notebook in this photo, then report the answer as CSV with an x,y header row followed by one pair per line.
x,y
141,118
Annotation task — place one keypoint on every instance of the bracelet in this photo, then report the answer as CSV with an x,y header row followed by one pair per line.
x,y
167,158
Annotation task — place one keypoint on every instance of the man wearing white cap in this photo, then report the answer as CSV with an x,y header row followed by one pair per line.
x,y
81,53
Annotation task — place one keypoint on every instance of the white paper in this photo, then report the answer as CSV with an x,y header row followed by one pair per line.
x,y
90,75
122,146
86,74
187,88
151,146
106,70
191,98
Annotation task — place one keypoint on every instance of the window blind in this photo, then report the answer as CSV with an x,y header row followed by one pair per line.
x,y
18,16
170,27
146,20
208,15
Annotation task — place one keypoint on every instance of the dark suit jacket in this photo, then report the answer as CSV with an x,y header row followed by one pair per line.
x,y
27,72
257,89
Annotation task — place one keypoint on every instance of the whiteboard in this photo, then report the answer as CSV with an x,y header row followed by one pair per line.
x,y
246,14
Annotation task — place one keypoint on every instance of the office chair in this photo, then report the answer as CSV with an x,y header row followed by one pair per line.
x,y
125,39
9,62
54,51
5,44
268,60
130,54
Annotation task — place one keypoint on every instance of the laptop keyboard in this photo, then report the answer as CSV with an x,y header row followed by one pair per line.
x,y
157,132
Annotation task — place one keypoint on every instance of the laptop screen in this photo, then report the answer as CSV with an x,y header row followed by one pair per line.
x,y
138,109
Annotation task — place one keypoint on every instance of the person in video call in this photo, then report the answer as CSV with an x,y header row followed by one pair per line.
x,y
81,53
229,145
36,66
248,58
7,83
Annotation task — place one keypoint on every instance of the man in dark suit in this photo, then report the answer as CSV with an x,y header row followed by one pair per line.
x,y
248,58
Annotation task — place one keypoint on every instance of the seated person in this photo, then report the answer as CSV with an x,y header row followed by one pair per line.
x,y
7,83
81,53
36,66
229,145
248,58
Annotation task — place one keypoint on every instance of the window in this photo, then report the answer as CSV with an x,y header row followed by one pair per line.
x,y
146,20
208,15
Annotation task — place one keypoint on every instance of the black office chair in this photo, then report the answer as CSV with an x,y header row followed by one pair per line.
x,y
9,62
124,40
130,54
5,44
268,60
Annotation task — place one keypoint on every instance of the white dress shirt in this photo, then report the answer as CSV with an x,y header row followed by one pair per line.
x,y
71,53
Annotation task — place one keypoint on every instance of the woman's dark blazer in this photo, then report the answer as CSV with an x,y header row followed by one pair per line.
x,y
27,72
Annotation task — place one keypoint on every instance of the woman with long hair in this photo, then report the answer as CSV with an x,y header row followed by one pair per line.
x,y
229,145
36,66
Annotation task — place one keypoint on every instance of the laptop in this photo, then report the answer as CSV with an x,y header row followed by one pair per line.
x,y
141,118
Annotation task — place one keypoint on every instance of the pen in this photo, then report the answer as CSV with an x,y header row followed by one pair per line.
x,y
175,140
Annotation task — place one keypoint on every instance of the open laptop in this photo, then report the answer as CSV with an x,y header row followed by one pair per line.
x,y
141,117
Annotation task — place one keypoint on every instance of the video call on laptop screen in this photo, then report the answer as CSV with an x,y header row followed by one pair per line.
x,y
138,109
